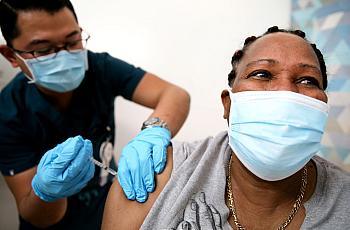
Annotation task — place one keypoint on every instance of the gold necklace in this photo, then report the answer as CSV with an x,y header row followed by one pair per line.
x,y
291,215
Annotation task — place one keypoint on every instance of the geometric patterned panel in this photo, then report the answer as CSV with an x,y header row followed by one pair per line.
x,y
327,23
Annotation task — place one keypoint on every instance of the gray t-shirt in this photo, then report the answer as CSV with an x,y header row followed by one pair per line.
x,y
194,197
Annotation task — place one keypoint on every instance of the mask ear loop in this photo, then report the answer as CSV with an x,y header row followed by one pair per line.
x,y
230,93
31,81
229,89
86,59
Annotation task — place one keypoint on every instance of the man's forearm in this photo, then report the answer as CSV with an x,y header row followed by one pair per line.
x,y
173,108
40,213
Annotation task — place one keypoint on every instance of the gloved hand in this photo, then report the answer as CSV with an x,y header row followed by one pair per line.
x,y
140,158
64,170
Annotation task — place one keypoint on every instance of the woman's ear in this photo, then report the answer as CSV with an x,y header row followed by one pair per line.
x,y
9,55
226,102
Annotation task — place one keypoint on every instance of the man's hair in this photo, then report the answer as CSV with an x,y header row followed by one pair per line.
x,y
237,56
9,10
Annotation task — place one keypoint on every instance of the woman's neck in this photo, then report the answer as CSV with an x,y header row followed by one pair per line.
x,y
259,201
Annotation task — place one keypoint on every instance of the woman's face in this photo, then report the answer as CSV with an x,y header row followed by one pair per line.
x,y
278,61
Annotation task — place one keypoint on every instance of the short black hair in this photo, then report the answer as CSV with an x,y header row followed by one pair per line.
x,y
237,56
9,12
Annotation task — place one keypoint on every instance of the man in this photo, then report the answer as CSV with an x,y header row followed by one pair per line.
x,y
57,114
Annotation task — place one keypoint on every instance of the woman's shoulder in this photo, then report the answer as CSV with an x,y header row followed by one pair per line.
x,y
329,205
333,184
333,171
186,148
128,214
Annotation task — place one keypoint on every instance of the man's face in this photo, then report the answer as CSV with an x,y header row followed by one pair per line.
x,y
40,30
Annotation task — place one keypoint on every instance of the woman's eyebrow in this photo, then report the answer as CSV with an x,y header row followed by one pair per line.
x,y
309,66
269,61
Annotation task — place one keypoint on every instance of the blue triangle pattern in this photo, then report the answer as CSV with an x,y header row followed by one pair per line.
x,y
334,43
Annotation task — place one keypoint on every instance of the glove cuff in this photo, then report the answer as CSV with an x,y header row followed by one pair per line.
x,y
159,131
39,194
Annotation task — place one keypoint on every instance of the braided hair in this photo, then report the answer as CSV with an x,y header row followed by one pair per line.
x,y
237,56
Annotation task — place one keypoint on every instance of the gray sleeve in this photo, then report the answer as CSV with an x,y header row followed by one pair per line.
x,y
180,154
328,208
182,150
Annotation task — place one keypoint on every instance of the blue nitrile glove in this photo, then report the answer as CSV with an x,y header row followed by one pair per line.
x,y
140,158
64,170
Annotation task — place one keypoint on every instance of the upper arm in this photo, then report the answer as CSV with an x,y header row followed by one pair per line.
x,y
121,213
148,92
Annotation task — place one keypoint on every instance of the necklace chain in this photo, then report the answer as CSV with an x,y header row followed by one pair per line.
x,y
291,215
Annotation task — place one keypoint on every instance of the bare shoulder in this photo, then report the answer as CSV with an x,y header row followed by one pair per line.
x,y
122,213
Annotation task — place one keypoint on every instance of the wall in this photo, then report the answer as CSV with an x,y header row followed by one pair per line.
x,y
6,71
328,25
189,43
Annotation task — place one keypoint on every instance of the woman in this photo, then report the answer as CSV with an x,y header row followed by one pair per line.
x,y
263,172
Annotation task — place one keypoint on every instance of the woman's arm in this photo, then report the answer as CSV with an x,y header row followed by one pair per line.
x,y
121,213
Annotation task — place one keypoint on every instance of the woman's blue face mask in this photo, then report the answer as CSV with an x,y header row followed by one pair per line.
x,y
275,133
61,73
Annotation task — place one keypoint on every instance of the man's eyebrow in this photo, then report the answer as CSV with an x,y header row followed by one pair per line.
x,y
269,61
44,41
37,42
73,33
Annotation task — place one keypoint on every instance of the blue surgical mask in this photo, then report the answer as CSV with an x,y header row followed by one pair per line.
x,y
275,133
62,73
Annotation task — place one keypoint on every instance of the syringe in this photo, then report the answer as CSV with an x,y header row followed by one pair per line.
x,y
101,165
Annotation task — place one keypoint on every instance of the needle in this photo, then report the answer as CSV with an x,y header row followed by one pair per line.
x,y
101,165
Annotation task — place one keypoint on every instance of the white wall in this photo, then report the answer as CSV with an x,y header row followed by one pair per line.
x,y
189,43
6,71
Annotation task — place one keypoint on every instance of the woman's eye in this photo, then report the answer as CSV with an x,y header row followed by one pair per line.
x,y
310,81
260,74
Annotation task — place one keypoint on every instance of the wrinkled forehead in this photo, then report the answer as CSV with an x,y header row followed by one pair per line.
x,y
282,47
